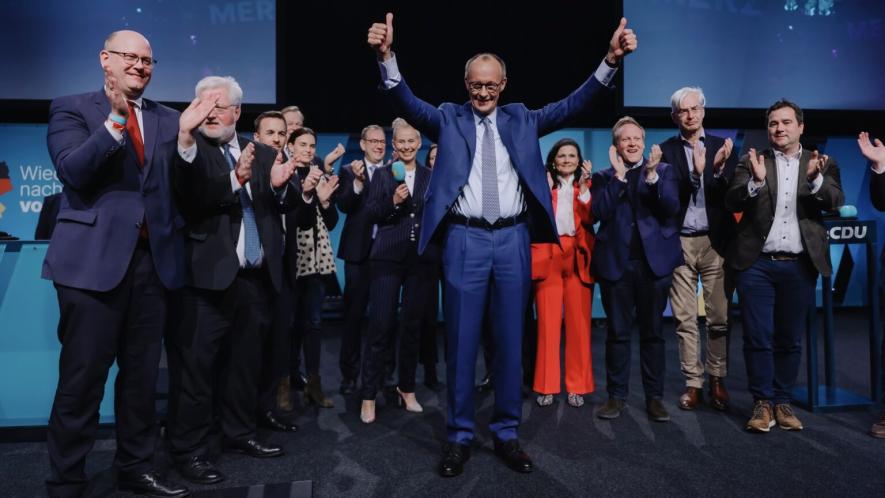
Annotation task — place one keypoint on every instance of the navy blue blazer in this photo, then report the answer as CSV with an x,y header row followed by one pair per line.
x,y
720,220
356,235
107,195
452,127
396,224
654,208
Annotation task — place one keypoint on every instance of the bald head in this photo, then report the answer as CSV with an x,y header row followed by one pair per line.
x,y
128,59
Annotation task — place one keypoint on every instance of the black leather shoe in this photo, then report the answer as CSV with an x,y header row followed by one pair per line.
x,y
149,484
454,456
199,470
253,448
513,456
348,386
270,421
485,384
656,410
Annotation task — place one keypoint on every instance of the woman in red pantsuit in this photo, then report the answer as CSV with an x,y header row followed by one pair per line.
x,y
561,274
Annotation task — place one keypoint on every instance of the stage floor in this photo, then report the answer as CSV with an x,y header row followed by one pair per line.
x,y
703,452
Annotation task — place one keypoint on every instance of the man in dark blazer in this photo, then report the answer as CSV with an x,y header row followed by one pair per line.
x,y
780,247
48,215
484,225
115,252
703,168
875,154
354,247
637,248
232,193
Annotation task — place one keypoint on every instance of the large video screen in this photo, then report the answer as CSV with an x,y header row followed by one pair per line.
x,y
822,54
50,48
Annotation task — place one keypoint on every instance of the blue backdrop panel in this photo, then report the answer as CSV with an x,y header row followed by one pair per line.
x,y
29,346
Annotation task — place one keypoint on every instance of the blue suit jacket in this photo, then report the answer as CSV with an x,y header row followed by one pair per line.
x,y
452,127
107,195
654,208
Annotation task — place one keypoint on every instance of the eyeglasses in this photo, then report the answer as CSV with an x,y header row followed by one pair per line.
x,y
374,141
132,59
476,87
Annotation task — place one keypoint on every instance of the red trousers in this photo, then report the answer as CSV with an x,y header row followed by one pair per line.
x,y
563,290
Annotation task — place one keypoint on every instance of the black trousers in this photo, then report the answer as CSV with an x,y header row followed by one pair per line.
x,y
95,328
356,298
429,350
638,297
218,336
277,348
388,279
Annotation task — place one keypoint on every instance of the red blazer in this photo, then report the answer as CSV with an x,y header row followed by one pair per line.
x,y
542,254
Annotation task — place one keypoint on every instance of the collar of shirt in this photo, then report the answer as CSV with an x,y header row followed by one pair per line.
x,y
137,101
477,119
234,146
635,166
686,143
779,154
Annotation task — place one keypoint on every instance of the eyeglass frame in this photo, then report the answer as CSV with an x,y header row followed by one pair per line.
x,y
145,61
475,87
374,141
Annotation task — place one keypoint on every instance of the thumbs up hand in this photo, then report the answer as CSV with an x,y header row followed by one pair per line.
x,y
381,37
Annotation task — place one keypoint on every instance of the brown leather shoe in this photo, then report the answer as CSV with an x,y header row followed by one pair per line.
x,y
718,395
690,399
878,429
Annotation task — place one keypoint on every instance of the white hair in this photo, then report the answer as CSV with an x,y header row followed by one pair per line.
x,y
402,123
234,92
678,95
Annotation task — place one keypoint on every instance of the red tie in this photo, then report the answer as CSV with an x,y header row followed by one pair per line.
x,y
135,133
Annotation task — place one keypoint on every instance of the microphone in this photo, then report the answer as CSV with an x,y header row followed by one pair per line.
x,y
847,211
398,169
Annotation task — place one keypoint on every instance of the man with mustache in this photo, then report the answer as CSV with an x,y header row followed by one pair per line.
x,y
116,251
780,247
489,183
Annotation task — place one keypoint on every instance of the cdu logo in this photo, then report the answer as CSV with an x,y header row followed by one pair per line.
x,y
850,232
5,184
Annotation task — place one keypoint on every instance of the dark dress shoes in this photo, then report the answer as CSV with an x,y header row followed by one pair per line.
x,y
513,455
252,448
485,385
199,470
271,421
348,386
150,484
656,410
454,456
718,395
690,399
611,409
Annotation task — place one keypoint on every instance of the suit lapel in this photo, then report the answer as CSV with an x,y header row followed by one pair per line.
x,y
555,196
771,178
150,122
467,127
506,132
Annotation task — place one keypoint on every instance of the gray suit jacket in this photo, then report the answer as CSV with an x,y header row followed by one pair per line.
x,y
758,211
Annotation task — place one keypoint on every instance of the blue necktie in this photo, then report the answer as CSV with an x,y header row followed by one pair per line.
x,y
252,244
491,210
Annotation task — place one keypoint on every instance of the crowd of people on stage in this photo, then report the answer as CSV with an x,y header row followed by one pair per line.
x,y
176,229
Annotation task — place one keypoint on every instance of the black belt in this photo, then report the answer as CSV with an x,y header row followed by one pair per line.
x,y
483,223
781,256
700,233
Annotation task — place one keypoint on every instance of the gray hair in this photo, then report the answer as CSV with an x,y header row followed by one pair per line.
x,y
369,128
678,95
402,123
486,56
234,92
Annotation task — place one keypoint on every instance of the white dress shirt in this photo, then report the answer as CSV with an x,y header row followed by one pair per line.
x,y
784,235
370,171
190,154
410,181
566,224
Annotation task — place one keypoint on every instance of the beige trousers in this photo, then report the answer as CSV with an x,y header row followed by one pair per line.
x,y
701,260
